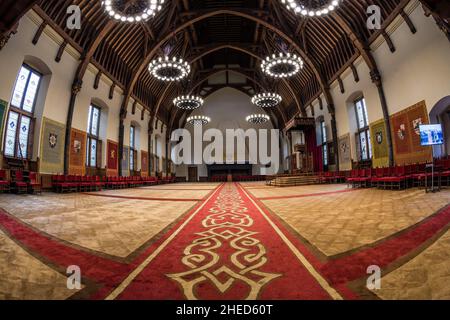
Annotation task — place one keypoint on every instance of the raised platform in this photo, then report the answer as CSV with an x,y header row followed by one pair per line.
x,y
292,181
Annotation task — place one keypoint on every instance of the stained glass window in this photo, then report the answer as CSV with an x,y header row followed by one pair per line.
x,y
93,142
26,89
132,147
11,133
323,129
23,136
19,90
20,118
363,135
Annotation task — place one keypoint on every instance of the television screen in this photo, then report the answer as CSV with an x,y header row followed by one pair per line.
x,y
431,134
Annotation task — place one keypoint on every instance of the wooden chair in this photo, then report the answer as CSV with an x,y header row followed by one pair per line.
x,y
34,185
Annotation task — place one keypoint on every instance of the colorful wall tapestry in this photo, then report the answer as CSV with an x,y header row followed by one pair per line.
x,y
77,152
144,163
345,153
126,161
406,136
112,162
379,144
52,146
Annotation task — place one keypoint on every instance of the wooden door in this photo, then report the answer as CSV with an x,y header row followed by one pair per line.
x,y
192,174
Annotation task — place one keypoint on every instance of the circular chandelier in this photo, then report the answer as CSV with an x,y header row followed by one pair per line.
x,y
169,69
257,118
188,102
267,100
322,7
198,120
282,66
141,11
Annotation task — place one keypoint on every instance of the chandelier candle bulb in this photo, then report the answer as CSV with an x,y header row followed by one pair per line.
x,y
116,10
282,66
300,7
169,69
188,102
267,100
257,118
194,120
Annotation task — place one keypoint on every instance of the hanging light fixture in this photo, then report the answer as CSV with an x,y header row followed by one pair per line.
x,y
141,11
188,102
267,100
282,65
319,8
195,120
169,69
257,118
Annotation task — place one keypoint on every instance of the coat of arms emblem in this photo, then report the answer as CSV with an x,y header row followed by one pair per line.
x,y
52,140
379,137
401,132
416,125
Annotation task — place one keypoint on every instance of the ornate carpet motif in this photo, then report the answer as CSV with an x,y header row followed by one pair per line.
x,y
227,231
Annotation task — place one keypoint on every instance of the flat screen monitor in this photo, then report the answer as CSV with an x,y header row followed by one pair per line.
x,y
431,135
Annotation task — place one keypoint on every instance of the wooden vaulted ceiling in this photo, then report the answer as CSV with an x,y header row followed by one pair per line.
x,y
221,32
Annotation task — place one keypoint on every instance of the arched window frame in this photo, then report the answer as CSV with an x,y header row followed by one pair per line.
x,y
363,139
21,120
93,138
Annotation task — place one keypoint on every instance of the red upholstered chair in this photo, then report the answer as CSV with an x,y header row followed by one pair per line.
x,y
19,183
34,184
4,183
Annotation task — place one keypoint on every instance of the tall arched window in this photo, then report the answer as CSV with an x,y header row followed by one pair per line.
x,y
94,144
19,131
363,143
133,152
323,131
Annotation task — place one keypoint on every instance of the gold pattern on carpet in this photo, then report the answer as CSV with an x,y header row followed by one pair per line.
x,y
227,223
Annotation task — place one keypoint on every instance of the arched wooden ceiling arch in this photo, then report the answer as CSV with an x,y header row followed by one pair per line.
x,y
328,44
199,82
237,47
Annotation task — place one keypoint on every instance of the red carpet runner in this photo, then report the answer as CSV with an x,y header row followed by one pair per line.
x,y
228,249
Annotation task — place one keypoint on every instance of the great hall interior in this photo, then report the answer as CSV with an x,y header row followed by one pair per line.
x,y
354,203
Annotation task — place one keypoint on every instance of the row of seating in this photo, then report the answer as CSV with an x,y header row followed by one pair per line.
x,y
20,183
398,177
77,183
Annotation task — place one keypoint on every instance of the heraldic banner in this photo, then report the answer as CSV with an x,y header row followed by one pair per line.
x,y
126,161
77,152
144,163
379,144
406,135
52,146
112,158
345,153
